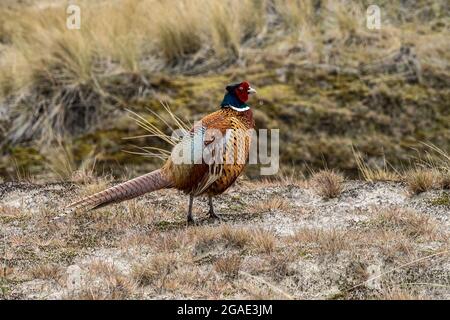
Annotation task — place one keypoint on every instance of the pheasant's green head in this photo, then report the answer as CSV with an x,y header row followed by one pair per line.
x,y
237,96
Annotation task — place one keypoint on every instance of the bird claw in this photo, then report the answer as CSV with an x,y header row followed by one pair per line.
x,y
214,216
191,221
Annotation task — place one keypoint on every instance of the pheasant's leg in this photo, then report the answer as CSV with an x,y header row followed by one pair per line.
x,y
212,214
190,218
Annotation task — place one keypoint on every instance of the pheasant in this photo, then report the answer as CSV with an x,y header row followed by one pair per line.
x,y
223,133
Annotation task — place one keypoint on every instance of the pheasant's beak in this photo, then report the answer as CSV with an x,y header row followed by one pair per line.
x,y
251,90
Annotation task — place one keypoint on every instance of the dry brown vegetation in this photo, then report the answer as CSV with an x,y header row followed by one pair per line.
x,y
271,204
345,97
328,183
421,180
322,76
111,284
375,172
46,271
445,180
323,241
228,265
155,269
350,248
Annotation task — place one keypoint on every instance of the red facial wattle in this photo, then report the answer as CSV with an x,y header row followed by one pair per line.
x,y
242,91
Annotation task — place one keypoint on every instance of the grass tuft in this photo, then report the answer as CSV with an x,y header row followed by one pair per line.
x,y
327,183
228,265
375,172
421,180
263,241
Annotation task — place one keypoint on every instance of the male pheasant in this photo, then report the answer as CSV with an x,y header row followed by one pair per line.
x,y
223,134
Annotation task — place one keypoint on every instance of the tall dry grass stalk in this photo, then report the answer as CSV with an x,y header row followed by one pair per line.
x,y
374,172
117,36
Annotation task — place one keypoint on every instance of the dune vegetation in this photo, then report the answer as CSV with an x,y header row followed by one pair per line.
x,y
345,97
359,210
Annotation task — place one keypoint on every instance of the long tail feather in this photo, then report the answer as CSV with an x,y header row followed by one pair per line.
x,y
128,190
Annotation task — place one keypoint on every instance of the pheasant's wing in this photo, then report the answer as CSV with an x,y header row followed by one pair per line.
x,y
227,143
192,172
214,146
236,147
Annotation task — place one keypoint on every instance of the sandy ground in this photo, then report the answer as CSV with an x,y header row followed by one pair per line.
x,y
281,241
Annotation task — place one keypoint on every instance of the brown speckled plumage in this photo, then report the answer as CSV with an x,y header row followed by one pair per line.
x,y
194,179
190,177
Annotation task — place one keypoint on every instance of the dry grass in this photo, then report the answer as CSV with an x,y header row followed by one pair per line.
x,y
280,180
327,183
155,270
104,282
280,265
96,185
228,265
323,241
180,32
375,172
46,271
116,288
421,180
232,237
263,241
440,164
118,36
237,259
407,222
60,160
120,32
274,203
236,237
445,180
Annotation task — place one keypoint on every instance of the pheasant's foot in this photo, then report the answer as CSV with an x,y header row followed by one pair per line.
x,y
215,216
191,221
212,214
190,218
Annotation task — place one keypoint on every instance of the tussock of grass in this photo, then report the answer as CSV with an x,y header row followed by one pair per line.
x,y
228,265
155,270
407,222
327,183
232,237
440,164
263,241
236,237
324,241
46,271
374,173
421,180
60,160
116,287
275,203
279,265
